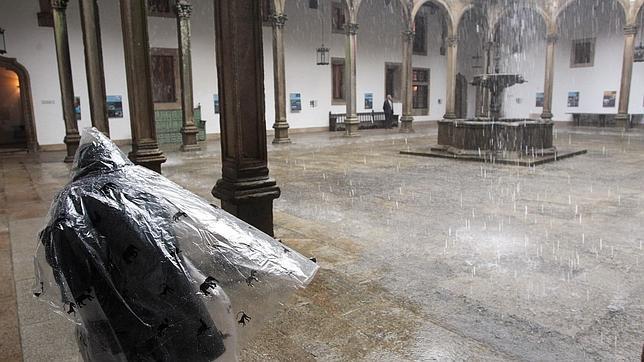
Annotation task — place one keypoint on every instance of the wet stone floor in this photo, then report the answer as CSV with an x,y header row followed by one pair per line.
x,y
421,258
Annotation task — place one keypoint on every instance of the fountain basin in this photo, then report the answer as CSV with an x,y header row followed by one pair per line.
x,y
481,137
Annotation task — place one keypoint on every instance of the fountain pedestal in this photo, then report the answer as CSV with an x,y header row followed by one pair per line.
x,y
489,138
525,142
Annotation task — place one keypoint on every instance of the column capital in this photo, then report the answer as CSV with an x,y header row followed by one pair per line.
x,y
352,28
452,41
630,29
552,38
278,20
184,9
408,34
59,4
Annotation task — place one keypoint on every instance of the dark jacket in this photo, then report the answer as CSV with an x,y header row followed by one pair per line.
x,y
388,109
120,269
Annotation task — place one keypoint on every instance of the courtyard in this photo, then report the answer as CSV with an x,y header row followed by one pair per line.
x,y
421,258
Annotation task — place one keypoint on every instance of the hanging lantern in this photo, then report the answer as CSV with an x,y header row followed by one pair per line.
x,y
3,43
323,55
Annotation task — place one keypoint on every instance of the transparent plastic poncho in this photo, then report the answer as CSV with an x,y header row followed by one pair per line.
x,y
149,271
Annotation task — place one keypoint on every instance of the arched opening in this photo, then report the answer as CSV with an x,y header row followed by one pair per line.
x,y
432,27
520,43
472,35
379,37
17,130
589,59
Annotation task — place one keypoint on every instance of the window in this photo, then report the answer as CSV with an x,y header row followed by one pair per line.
x,y
420,89
337,80
313,4
338,20
161,8
164,65
45,17
393,72
583,53
420,38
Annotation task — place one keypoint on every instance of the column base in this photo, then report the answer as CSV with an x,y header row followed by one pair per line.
x,y
71,141
148,155
351,126
622,120
189,139
250,200
281,133
449,116
406,124
546,116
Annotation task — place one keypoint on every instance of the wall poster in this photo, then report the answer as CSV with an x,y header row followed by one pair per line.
x,y
539,102
573,99
368,101
77,108
114,107
609,99
296,102
215,99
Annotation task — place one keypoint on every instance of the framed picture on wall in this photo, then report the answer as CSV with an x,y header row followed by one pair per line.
x,y
215,99
539,100
114,107
638,55
368,101
573,99
609,99
296,102
77,108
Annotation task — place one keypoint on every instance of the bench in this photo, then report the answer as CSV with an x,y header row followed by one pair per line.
x,y
591,119
602,119
367,120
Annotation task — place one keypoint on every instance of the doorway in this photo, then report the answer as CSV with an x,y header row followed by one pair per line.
x,y
17,131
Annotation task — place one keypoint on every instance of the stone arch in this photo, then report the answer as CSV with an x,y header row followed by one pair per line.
x,y
624,5
441,3
353,8
637,8
550,24
25,98
465,10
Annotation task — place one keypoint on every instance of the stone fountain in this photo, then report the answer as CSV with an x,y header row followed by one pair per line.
x,y
525,142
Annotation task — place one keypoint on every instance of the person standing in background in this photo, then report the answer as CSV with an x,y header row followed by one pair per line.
x,y
388,107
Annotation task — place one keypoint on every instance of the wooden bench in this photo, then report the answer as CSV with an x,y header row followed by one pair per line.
x,y
602,119
591,119
367,120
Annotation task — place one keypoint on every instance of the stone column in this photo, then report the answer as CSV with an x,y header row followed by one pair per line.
x,y
188,131
450,103
134,21
65,76
622,118
407,119
279,79
351,122
482,93
94,65
549,76
245,189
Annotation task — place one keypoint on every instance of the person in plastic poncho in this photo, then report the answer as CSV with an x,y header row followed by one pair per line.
x,y
151,272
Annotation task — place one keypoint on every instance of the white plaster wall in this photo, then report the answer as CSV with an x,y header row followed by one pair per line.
x,y
520,100
605,23
379,41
